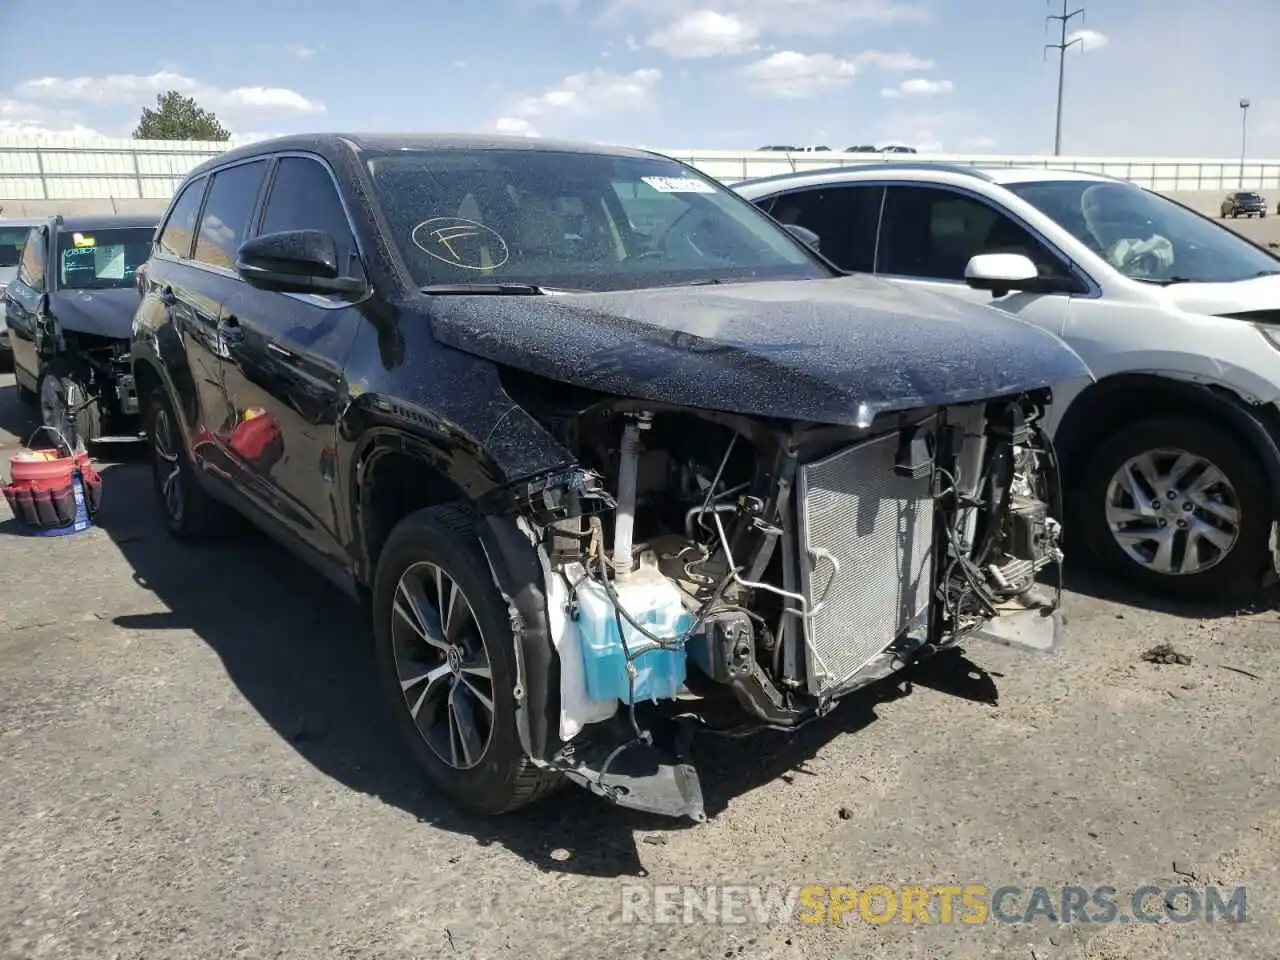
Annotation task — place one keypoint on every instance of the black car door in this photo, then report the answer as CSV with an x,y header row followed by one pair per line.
x,y
284,370
23,304
209,279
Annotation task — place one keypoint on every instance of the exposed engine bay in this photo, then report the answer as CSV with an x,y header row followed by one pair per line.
x,y
719,573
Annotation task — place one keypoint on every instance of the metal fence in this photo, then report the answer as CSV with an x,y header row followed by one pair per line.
x,y
151,169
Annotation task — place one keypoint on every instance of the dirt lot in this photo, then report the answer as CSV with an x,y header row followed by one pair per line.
x,y
195,765
1263,231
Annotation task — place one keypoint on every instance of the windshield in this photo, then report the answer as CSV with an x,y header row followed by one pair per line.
x,y
576,221
12,240
1144,235
102,259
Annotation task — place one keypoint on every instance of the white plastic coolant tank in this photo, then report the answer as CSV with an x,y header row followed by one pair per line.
x,y
654,602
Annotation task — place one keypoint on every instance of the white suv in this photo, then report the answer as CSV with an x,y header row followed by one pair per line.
x,y
1172,457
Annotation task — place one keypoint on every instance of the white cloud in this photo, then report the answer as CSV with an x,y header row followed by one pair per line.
x,y
933,131
517,126
788,75
1089,39
31,121
583,94
894,62
706,33
303,51
918,87
783,17
978,143
131,89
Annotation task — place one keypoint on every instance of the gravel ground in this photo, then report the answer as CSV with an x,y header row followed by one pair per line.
x,y
195,765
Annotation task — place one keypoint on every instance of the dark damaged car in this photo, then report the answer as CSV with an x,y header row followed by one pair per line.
x,y
611,456
69,311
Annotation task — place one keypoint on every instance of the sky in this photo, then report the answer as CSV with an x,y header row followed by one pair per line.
x,y
1149,77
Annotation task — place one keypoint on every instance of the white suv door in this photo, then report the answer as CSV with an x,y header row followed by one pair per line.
x,y
929,232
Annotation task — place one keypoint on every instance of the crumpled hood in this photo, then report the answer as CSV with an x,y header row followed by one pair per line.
x,y
1243,296
107,313
836,351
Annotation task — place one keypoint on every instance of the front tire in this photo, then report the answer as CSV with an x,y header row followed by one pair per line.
x,y
446,657
190,513
65,405
1178,507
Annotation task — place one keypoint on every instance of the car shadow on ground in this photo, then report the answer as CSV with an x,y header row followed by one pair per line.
x,y
1094,584
300,654
16,417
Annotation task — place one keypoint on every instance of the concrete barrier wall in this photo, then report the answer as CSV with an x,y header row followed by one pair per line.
x,y
1204,201
138,176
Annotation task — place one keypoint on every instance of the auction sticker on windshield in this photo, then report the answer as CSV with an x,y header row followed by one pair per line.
x,y
679,185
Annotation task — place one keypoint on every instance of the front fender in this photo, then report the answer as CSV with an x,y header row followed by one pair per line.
x,y
1101,405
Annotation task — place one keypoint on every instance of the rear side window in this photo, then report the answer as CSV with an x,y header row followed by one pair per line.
x,y
303,197
932,233
179,230
12,240
31,269
232,198
845,219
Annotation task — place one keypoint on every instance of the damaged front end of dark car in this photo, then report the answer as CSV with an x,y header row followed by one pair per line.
x,y
782,493
613,457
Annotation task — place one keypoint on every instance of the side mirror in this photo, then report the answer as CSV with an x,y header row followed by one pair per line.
x,y
1001,273
804,235
294,261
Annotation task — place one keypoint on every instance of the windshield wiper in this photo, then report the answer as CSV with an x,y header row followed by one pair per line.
x,y
1163,281
489,289
1267,273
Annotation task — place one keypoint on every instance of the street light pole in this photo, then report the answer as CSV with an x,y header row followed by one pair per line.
x,y
1244,135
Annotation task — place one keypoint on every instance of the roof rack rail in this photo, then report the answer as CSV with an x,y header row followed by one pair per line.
x,y
960,168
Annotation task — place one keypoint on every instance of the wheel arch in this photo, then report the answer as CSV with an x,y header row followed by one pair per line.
x,y
397,474
1109,404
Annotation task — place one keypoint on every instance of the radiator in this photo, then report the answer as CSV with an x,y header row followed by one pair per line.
x,y
879,527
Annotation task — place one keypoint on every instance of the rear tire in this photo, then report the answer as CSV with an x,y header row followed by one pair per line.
x,y
190,513
1222,524
437,689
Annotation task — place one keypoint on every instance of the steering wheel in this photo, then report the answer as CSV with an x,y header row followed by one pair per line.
x,y
1145,264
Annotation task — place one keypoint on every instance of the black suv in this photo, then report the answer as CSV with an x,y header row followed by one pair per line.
x,y
69,311
609,453
1243,204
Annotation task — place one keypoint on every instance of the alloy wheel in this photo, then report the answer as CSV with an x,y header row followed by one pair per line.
x,y
1173,512
168,469
443,665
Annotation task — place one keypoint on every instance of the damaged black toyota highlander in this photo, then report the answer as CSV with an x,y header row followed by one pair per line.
x,y
611,455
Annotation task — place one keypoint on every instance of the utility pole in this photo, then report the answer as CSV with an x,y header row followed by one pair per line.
x,y
1244,134
1062,46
